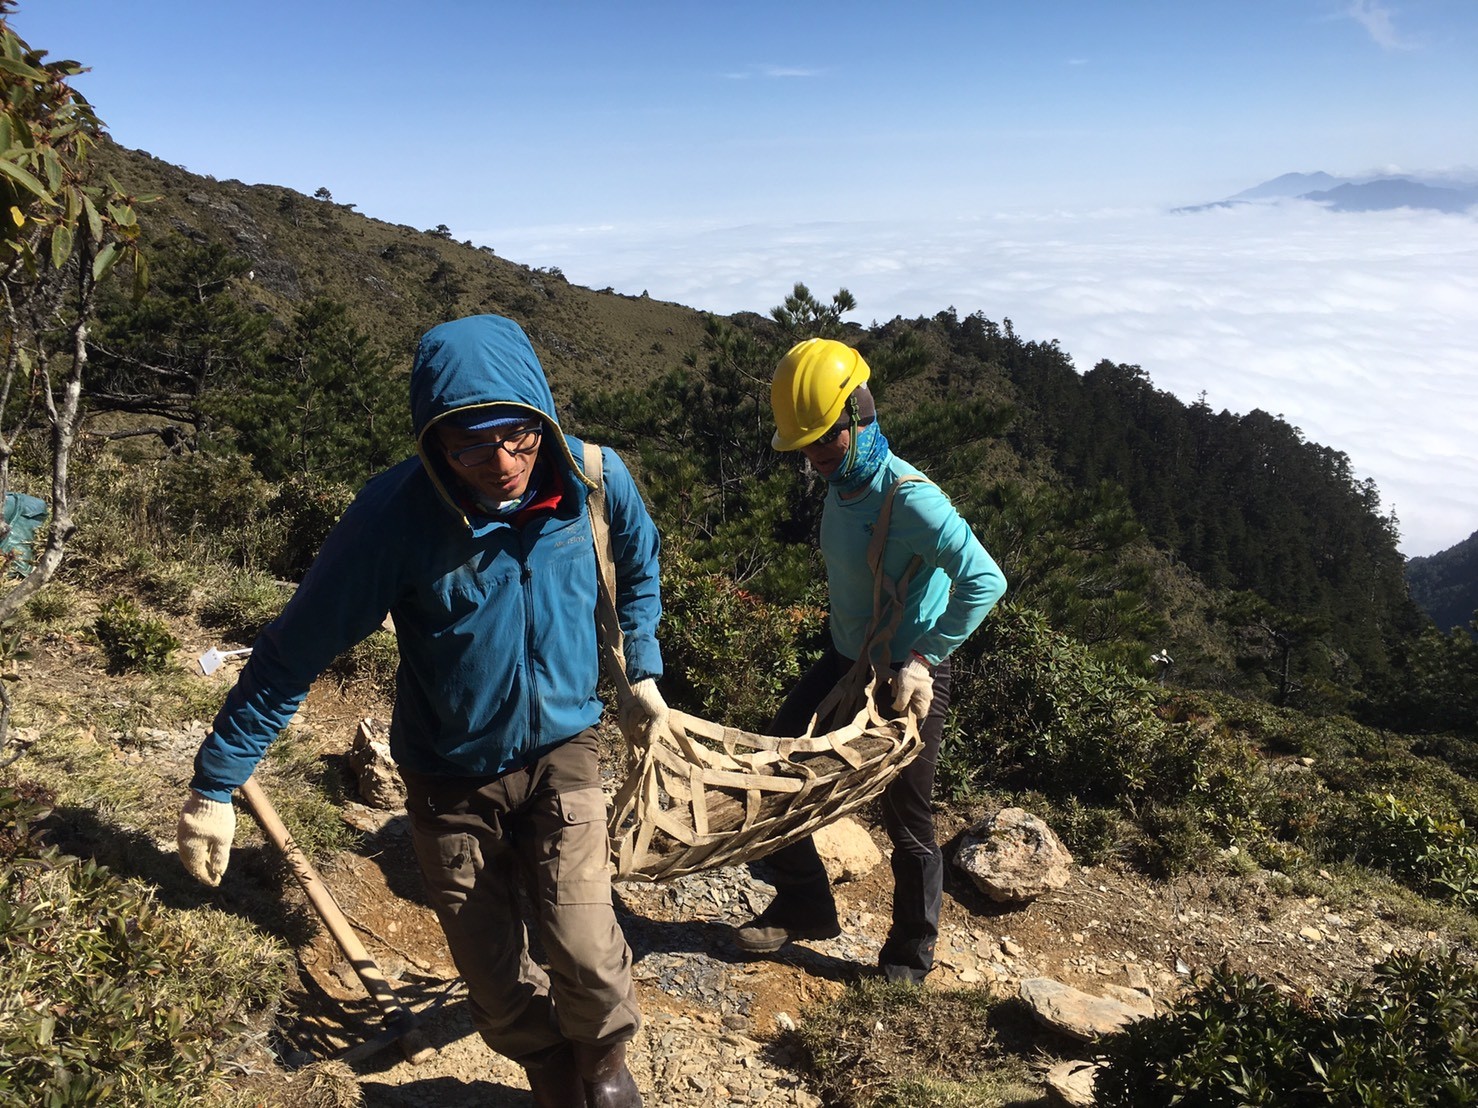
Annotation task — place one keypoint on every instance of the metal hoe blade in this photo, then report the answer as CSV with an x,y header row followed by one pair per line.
x,y
214,659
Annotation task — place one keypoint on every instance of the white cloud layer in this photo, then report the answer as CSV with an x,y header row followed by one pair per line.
x,y
1360,329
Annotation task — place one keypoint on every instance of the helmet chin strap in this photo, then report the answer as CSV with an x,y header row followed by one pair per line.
x,y
854,418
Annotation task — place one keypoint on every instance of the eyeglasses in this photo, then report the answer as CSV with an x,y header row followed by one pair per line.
x,y
836,432
517,445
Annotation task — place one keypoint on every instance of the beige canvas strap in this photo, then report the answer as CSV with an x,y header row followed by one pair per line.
x,y
888,603
607,623
698,794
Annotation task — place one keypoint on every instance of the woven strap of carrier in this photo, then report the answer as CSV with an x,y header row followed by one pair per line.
x,y
699,794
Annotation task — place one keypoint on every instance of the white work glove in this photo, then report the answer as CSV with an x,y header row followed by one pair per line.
x,y
913,687
204,837
646,703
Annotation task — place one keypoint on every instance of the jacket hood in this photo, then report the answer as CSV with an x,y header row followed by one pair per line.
x,y
476,362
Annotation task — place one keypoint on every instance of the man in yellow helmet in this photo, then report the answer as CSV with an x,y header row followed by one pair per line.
x,y
823,408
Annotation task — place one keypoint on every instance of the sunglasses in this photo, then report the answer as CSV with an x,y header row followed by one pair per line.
x,y
836,432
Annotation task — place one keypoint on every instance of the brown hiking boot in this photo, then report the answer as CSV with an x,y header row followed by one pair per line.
x,y
553,1080
781,923
608,1083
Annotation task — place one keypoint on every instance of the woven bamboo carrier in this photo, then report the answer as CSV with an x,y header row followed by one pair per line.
x,y
699,795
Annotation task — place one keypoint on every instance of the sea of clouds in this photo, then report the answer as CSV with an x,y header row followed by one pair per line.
x,y
1361,329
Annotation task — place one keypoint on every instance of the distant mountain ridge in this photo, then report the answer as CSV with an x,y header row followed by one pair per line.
x,y
1423,192
1445,584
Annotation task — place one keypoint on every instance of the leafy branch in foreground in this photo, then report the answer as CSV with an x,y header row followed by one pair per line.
x,y
60,234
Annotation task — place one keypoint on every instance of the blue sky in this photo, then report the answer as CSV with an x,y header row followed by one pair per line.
x,y
1014,158
548,112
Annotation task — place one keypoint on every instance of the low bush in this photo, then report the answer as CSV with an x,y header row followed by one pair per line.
x,y
132,641
731,655
1408,1037
52,605
1436,856
107,997
242,604
1047,716
374,659
303,510
884,1045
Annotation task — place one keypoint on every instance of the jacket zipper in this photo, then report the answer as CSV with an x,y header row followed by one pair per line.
x,y
526,579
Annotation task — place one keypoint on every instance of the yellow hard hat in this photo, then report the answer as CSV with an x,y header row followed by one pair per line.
x,y
810,390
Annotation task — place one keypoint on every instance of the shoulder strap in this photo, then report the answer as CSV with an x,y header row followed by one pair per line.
x,y
887,596
887,613
607,623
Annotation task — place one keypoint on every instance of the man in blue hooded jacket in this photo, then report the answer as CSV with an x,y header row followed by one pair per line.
x,y
480,549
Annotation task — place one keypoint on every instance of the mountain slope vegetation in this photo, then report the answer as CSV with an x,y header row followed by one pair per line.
x,y
1445,584
1208,661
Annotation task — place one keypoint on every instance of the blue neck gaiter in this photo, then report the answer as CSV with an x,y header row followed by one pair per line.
x,y
865,456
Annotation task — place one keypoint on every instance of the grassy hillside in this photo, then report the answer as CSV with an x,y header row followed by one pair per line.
x,y
398,281
1239,558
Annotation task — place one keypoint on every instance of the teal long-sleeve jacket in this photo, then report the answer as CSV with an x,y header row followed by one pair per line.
x,y
955,587
494,621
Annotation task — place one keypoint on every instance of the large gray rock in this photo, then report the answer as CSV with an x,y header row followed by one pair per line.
x,y
1014,857
1074,1012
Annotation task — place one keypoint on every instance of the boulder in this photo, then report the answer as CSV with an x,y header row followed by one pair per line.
x,y
1074,1012
1014,857
380,785
847,849
1071,1083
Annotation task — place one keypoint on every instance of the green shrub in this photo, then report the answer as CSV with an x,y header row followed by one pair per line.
x,y
1435,856
1047,715
217,503
132,641
107,997
243,604
201,507
303,509
52,604
730,655
1173,838
1092,832
374,659
1408,1037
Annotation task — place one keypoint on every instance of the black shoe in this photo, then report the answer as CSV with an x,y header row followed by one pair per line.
x,y
906,960
775,926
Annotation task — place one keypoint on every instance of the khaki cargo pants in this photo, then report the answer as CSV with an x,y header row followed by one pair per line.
x,y
541,831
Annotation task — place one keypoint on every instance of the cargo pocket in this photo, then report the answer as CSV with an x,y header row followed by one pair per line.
x,y
582,866
449,866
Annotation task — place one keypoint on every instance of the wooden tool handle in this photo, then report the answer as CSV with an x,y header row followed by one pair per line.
x,y
413,1042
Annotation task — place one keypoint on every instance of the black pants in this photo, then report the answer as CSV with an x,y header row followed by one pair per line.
x,y
908,817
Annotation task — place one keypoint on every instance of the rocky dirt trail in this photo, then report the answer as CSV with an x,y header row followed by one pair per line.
x,y
716,1021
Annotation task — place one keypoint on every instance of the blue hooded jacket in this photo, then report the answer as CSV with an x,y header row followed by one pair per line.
x,y
495,622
